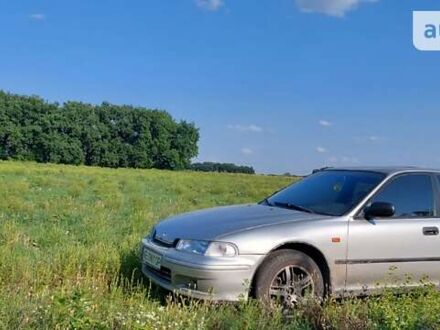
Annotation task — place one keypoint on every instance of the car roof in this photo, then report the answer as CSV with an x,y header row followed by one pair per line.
x,y
388,170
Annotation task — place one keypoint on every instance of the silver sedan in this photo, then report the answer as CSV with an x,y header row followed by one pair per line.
x,y
337,231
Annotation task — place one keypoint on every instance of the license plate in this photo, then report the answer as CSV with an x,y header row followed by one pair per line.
x,y
151,258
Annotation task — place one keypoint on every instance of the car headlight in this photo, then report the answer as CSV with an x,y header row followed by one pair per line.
x,y
211,249
221,249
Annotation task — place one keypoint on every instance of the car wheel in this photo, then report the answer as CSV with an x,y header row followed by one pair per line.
x,y
287,277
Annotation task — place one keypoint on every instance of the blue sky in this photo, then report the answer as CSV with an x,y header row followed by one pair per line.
x,y
282,85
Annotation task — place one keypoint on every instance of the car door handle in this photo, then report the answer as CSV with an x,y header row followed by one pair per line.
x,y
430,231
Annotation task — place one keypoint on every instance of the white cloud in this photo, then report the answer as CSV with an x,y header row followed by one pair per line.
x,y
350,160
37,17
247,151
337,8
325,123
369,138
246,128
210,4
343,160
321,150
373,138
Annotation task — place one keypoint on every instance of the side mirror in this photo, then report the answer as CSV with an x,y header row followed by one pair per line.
x,y
379,210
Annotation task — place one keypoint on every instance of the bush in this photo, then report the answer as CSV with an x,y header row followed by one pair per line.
x,y
222,167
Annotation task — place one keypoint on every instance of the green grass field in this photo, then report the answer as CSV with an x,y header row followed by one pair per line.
x,y
69,241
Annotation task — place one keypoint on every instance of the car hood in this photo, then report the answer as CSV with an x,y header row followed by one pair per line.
x,y
210,224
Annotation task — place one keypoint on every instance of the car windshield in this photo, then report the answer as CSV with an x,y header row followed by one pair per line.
x,y
329,192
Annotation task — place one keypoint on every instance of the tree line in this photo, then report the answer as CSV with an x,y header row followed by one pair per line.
x,y
222,167
98,135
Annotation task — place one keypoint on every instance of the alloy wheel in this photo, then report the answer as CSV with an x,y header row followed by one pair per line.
x,y
291,285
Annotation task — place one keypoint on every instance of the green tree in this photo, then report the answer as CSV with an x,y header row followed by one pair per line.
x,y
99,135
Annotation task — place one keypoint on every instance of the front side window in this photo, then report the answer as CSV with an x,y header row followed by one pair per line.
x,y
330,192
411,195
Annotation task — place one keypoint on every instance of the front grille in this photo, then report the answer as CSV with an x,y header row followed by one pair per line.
x,y
163,273
161,242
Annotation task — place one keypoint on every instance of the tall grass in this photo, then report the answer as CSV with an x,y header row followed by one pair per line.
x,y
69,241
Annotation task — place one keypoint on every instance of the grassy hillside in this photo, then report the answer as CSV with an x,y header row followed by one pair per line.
x,y
69,239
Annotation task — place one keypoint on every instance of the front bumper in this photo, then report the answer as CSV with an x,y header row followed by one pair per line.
x,y
218,279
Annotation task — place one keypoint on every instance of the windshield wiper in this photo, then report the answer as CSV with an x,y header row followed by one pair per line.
x,y
266,201
293,207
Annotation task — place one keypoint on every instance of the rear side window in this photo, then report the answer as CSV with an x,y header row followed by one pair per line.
x,y
411,195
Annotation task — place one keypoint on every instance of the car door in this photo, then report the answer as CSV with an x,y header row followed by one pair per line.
x,y
404,248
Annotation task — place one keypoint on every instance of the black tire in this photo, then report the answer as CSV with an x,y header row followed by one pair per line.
x,y
276,267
